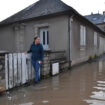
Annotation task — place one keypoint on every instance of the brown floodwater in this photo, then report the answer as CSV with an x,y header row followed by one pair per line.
x,y
82,85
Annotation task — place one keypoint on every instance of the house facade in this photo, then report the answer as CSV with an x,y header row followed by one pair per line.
x,y
85,42
60,27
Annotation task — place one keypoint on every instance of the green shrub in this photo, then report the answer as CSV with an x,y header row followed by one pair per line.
x,y
95,56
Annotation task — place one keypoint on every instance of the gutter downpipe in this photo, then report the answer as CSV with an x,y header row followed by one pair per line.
x,y
70,19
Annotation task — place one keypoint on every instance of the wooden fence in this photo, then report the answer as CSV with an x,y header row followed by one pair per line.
x,y
18,69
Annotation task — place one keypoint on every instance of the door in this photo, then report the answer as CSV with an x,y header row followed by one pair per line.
x,y
44,38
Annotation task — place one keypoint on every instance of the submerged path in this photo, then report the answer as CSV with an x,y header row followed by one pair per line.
x,y
83,85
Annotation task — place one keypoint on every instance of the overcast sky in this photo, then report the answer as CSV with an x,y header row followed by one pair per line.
x,y
84,7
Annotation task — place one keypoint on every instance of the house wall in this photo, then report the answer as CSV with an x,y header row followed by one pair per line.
x,y
58,32
80,54
6,39
19,36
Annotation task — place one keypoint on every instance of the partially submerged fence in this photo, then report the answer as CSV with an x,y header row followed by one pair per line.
x,y
18,69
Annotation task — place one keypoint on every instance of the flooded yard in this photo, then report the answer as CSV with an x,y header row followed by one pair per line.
x,y
83,85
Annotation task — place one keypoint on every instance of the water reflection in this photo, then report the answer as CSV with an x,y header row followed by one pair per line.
x,y
95,102
100,66
98,97
83,85
100,88
101,82
30,103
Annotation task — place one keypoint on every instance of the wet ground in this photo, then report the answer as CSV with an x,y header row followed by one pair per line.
x,y
83,85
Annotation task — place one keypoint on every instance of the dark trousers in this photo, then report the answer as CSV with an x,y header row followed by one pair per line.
x,y
36,66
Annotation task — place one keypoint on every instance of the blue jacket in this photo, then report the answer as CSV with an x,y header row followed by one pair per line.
x,y
37,52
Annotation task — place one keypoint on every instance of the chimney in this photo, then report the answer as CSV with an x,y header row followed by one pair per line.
x,y
104,13
98,12
91,13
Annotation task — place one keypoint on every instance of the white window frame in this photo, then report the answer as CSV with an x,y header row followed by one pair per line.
x,y
82,35
95,39
46,42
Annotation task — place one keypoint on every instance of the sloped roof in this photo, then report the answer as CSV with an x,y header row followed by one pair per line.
x,y
43,8
96,18
40,8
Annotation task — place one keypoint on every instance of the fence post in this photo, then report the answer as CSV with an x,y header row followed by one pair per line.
x,y
24,71
15,69
19,69
29,66
6,71
10,71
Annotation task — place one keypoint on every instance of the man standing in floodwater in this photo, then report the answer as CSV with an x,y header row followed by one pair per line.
x,y
37,56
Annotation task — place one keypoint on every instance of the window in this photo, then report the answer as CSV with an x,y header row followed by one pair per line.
x,y
82,35
47,37
44,38
95,38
